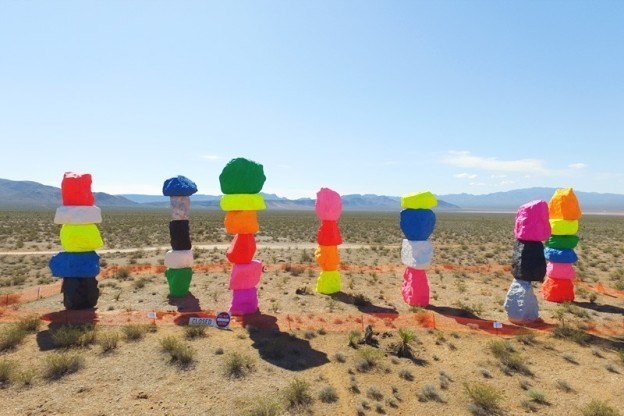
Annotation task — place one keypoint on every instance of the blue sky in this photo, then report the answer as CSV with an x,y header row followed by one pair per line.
x,y
383,97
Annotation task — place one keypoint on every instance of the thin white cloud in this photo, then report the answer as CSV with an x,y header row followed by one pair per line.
x,y
465,159
465,175
577,166
498,176
211,158
477,184
507,182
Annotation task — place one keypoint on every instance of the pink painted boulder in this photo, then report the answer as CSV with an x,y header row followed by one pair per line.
x,y
244,301
560,271
532,222
328,205
415,288
245,275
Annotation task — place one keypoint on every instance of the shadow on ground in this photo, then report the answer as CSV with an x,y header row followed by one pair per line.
x,y
364,306
281,349
600,308
63,318
188,303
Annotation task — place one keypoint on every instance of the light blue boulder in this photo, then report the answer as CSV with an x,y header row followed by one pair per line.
x,y
521,303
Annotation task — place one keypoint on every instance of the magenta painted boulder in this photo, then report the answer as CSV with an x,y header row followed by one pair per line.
x,y
560,271
415,288
532,222
244,301
328,205
246,275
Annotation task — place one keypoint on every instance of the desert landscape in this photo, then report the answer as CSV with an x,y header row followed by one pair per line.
x,y
362,351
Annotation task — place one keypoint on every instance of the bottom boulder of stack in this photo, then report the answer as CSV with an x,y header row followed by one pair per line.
x,y
179,281
558,290
328,282
415,288
244,301
521,303
80,292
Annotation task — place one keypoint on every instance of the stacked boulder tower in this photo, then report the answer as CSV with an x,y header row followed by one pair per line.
x,y
179,260
528,263
241,182
328,208
417,223
564,213
78,265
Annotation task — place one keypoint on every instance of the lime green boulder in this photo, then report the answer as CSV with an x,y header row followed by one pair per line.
x,y
563,227
179,281
419,200
562,242
328,282
242,202
242,176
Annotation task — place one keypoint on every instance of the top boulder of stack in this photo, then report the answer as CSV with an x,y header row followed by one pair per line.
x,y
419,200
532,222
242,176
564,205
328,205
179,186
76,189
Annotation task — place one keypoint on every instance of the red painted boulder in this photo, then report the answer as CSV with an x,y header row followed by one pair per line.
x,y
242,249
76,189
329,234
558,290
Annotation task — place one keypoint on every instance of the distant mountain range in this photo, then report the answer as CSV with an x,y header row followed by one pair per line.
x,y
33,195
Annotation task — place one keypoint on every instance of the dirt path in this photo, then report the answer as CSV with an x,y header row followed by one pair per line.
x,y
222,246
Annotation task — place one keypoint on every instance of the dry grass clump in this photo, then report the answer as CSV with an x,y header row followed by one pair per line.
x,y
237,365
598,408
571,334
510,360
30,323
135,332
263,406
8,370
485,399
11,336
429,393
58,365
68,336
297,395
107,340
328,394
180,352
367,359
194,331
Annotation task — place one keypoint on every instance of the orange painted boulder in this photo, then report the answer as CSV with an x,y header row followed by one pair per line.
x,y
564,205
241,222
329,234
558,290
242,249
327,257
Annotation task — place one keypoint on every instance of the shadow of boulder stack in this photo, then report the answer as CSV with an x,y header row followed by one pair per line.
x,y
187,303
281,349
63,318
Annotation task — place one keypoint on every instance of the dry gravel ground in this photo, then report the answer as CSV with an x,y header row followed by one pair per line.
x,y
469,277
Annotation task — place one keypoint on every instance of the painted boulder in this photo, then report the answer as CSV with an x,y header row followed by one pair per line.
x,y
521,303
179,281
328,282
416,254
245,275
564,205
180,235
79,238
180,207
417,224
241,222
528,262
328,205
562,242
242,202
80,293
419,200
327,257
329,234
244,301
179,259
179,186
242,176
558,290
532,222
560,271
554,255
242,249
76,189
415,289
78,214
86,264
564,227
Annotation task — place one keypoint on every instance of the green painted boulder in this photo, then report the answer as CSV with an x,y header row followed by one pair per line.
x,y
562,242
179,281
242,176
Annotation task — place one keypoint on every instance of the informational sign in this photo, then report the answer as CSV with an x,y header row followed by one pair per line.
x,y
151,315
497,325
221,320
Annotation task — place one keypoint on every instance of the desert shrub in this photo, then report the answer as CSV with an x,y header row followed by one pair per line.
x,y
569,358
485,372
445,380
527,339
8,370
374,393
107,340
68,336
598,408
180,353
134,332
237,365
328,394
511,361
11,336
263,406
564,386
429,393
297,394
485,399
354,338
571,334
367,358
537,396
58,365
406,374
30,323
194,331
340,357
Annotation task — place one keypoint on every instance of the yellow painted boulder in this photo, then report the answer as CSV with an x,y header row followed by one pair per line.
x,y
419,200
79,238
328,282
563,227
242,202
564,205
